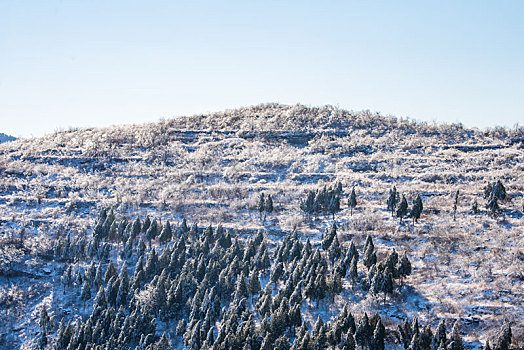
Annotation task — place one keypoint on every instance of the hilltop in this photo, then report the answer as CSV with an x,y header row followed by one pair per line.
x,y
211,170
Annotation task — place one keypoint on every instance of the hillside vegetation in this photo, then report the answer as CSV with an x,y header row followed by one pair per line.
x,y
204,177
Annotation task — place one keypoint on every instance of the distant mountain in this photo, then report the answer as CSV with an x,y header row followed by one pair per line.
x,y
6,138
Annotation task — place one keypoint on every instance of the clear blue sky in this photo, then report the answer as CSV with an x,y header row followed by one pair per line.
x,y
98,62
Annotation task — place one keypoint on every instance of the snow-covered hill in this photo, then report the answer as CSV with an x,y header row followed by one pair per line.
x,y
211,170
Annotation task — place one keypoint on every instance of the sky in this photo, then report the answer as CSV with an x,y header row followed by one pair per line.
x,y
72,63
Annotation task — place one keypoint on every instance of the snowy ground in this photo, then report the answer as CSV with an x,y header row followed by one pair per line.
x,y
471,268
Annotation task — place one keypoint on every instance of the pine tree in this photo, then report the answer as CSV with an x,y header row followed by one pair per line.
x,y
349,343
493,206
379,335
353,273
370,257
44,318
456,339
308,205
282,343
334,251
352,200
416,210
254,284
392,200
167,233
86,293
261,204
387,286
333,205
42,342
440,334
110,272
268,207
363,333
67,277
241,290
402,208
329,237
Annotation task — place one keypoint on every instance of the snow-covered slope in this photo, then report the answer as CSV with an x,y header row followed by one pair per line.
x,y
211,170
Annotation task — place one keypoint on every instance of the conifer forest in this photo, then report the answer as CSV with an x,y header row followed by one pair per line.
x,y
266,227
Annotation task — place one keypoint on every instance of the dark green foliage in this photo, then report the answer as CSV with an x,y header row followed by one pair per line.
x,y
455,338
493,192
44,319
392,200
167,233
495,189
402,209
417,208
379,335
203,285
261,207
326,200
352,203
493,206
363,333
269,204
370,257
329,237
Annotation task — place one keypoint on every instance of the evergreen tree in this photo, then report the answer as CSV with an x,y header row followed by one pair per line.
x,y
167,233
353,274
329,237
261,204
44,318
349,343
379,335
363,333
308,205
416,210
370,257
440,334
352,200
146,224
392,200
42,342
456,339
110,272
493,206
334,251
136,228
334,205
268,205
254,284
402,208
86,293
